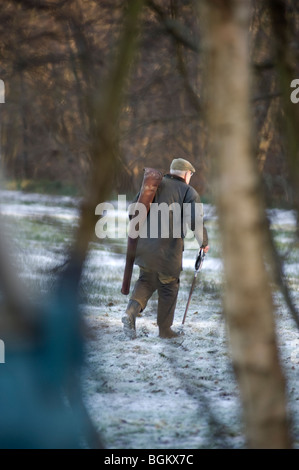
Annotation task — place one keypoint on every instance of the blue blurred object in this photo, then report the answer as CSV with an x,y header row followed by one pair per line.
x,y
41,403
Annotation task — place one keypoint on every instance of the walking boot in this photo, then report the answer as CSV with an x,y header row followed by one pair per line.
x,y
169,333
129,319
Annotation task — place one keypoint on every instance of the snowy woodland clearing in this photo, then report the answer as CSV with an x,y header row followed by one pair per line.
x,y
152,393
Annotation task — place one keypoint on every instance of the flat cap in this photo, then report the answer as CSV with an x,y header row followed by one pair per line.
x,y
182,165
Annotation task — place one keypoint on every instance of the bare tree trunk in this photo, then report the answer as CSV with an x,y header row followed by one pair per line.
x,y
285,65
248,298
104,112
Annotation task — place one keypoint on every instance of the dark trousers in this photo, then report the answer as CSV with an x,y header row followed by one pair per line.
x,y
167,288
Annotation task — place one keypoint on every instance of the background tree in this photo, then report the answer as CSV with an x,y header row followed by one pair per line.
x,y
45,125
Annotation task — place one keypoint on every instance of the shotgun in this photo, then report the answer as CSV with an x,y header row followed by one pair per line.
x,y
151,181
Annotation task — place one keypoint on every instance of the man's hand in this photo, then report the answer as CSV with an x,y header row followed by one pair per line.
x,y
206,248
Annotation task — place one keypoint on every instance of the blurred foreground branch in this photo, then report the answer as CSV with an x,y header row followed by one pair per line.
x,y
41,376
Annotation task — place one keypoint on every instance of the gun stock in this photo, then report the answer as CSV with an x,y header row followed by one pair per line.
x,y
151,181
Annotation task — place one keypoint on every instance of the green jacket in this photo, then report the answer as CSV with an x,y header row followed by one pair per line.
x,y
161,253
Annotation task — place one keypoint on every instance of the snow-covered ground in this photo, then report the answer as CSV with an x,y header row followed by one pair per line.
x,y
152,393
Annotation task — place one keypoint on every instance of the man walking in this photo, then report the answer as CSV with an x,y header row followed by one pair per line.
x,y
159,256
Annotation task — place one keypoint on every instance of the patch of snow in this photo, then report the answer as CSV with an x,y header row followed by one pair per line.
x,y
151,393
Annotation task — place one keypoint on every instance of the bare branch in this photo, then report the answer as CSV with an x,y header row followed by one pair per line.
x,y
266,97
42,4
174,27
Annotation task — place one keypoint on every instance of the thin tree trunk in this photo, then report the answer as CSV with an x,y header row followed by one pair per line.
x,y
248,298
24,125
285,65
59,330
267,131
104,112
